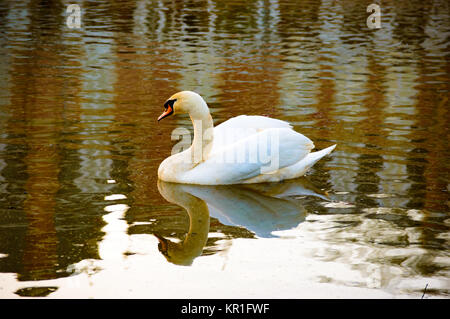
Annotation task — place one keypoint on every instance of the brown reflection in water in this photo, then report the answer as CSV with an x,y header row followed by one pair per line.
x,y
290,24
370,128
371,161
250,86
14,176
249,74
232,24
324,79
431,134
409,29
42,115
325,94
146,77
40,256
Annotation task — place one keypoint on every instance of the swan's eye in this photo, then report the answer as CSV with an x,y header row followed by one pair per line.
x,y
169,103
168,106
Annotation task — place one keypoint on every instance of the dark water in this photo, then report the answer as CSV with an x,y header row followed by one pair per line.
x,y
78,111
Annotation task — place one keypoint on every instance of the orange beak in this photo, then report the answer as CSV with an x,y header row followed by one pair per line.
x,y
166,113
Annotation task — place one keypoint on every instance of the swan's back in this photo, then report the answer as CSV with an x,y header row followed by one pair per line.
x,y
242,126
252,121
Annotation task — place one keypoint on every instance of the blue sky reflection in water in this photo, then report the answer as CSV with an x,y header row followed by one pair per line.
x,y
81,210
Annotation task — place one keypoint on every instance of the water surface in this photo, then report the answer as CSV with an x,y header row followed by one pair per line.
x,y
82,213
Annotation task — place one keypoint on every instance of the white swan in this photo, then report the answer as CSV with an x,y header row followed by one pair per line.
x,y
244,149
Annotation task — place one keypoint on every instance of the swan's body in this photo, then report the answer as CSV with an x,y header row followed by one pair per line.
x,y
244,149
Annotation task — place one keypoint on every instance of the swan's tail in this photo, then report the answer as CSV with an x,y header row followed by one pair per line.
x,y
300,168
315,156
293,171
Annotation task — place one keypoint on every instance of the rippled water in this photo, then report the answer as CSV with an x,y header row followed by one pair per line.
x,y
82,213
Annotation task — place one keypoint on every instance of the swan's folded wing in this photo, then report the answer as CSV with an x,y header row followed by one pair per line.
x,y
260,153
234,129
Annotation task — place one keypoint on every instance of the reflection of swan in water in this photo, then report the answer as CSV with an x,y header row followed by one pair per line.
x,y
184,253
260,208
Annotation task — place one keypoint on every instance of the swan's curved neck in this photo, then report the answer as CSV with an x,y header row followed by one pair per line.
x,y
203,133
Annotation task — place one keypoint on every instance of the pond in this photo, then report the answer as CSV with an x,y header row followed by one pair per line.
x,y
82,213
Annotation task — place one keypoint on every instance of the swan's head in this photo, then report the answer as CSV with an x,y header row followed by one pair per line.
x,y
184,102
